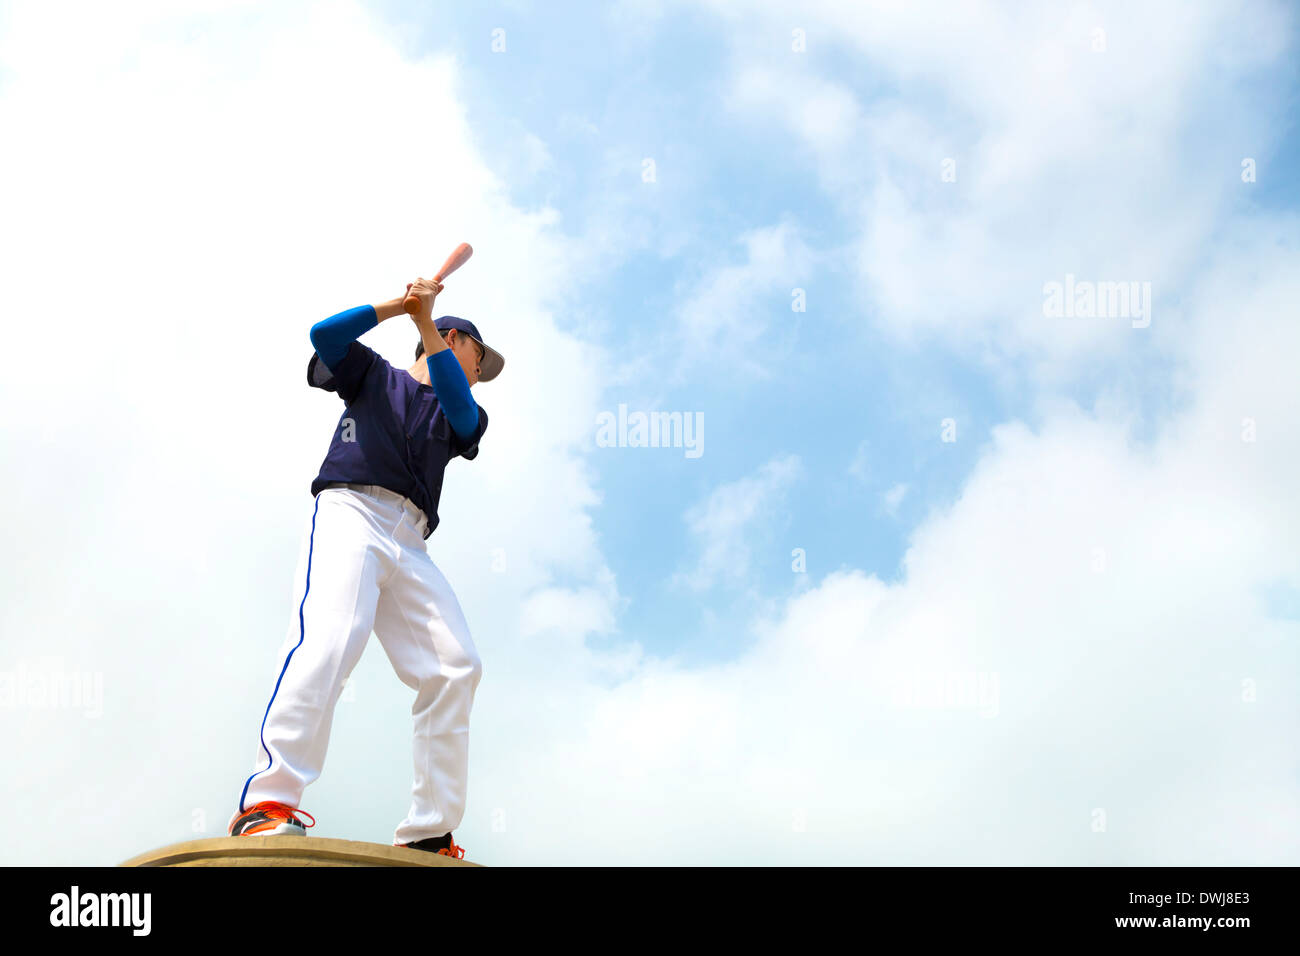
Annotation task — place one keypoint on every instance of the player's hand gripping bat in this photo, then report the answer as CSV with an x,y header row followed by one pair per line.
x,y
411,304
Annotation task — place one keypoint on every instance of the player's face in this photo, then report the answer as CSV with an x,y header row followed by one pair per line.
x,y
468,353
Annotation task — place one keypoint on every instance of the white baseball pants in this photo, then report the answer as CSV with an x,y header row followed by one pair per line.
x,y
364,566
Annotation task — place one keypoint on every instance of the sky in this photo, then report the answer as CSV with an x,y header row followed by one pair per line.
x,y
946,575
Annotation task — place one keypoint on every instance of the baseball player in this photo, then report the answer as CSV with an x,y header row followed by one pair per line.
x,y
364,565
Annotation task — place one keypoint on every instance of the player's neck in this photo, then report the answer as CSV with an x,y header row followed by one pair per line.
x,y
420,372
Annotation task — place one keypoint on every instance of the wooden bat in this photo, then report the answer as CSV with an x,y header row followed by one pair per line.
x,y
454,261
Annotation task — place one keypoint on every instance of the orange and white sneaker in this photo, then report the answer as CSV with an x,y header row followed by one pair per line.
x,y
443,845
270,819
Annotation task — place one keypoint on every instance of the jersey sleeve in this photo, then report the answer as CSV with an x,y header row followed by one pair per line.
x,y
331,337
346,379
467,448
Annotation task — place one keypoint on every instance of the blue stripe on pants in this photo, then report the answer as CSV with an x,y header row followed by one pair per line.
x,y
302,632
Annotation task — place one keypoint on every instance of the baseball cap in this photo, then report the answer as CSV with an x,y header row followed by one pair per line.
x,y
492,363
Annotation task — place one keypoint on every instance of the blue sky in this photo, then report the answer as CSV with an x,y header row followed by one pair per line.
x,y
832,394
1110,536
603,88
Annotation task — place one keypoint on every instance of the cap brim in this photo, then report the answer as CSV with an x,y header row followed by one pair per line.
x,y
491,365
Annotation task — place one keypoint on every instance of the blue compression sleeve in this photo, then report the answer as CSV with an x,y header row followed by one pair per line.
x,y
331,337
452,388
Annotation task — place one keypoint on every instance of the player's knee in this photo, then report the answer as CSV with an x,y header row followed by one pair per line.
x,y
464,666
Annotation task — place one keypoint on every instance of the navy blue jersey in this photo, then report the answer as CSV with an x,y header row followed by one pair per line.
x,y
393,432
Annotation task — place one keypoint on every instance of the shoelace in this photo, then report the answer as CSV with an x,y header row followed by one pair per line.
x,y
454,850
278,811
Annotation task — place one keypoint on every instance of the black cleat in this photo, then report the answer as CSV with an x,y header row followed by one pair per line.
x,y
444,845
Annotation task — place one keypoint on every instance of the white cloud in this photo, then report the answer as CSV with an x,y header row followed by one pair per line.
x,y
726,524
1067,160
894,497
196,189
859,467
1105,591
731,320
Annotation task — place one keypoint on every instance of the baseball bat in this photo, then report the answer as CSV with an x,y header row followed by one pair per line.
x,y
454,261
